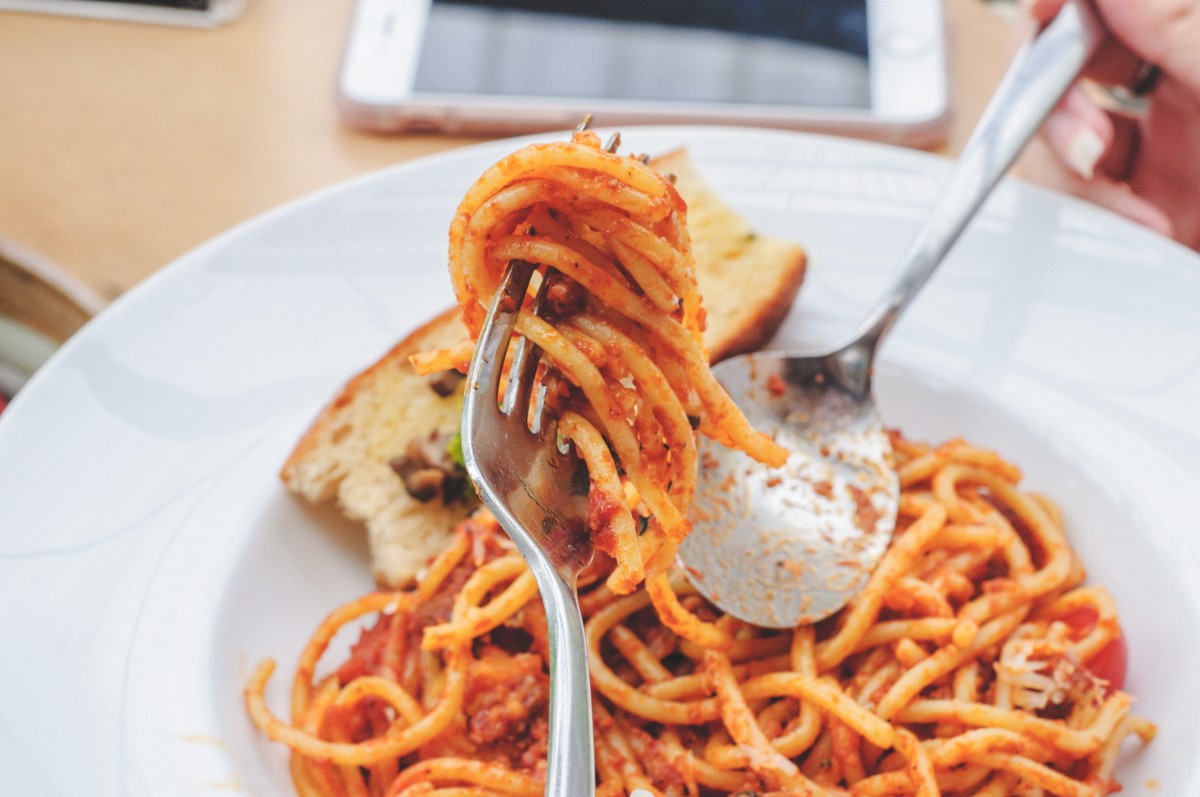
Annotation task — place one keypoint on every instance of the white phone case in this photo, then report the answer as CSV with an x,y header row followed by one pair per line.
x,y
908,86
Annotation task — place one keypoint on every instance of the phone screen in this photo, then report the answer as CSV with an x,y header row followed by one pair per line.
x,y
754,52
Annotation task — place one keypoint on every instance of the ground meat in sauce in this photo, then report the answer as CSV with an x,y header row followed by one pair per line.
x,y
660,767
368,654
564,296
533,759
367,720
504,694
506,698
660,640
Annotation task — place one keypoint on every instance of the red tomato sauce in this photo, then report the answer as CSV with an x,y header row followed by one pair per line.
x,y
1112,661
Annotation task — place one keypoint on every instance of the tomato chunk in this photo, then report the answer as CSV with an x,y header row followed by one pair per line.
x,y
1112,660
1110,663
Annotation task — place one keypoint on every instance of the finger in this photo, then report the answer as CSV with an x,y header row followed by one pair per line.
x,y
1163,33
1120,156
1113,63
1079,133
1090,141
1042,10
1168,158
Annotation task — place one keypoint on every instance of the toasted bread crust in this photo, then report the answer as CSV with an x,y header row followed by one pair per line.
x,y
296,472
347,451
748,282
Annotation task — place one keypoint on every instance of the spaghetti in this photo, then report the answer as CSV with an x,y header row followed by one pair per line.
x,y
619,330
975,662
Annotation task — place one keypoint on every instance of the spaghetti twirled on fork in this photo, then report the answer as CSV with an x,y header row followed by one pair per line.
x,y
620,340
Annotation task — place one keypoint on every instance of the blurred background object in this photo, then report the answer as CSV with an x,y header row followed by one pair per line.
x,y
190,13
868,68
40,307
126,145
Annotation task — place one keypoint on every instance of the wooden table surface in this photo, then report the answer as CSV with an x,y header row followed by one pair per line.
x,y
124,145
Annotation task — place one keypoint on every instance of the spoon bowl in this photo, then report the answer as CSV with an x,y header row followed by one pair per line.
x,y
779,547
805,535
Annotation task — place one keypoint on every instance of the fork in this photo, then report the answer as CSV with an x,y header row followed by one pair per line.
x,y
538,493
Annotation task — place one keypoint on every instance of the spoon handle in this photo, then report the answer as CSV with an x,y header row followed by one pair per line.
x,y
1035,81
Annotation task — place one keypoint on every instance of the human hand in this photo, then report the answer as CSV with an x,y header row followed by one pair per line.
x,y
1147,166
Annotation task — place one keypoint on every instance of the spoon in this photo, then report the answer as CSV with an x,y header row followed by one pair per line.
x,y
780,547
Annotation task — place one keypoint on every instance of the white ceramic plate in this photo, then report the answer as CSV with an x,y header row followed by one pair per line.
x,y
149,556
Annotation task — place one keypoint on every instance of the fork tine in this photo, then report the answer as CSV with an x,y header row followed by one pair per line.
x,y
521,372
497,330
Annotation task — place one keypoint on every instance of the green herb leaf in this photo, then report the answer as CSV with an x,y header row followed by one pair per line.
x,y
454,450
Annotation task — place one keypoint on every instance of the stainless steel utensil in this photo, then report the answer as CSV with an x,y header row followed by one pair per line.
x,y
790,546
539,495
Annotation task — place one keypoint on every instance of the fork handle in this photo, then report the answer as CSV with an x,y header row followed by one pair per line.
x,y
570,768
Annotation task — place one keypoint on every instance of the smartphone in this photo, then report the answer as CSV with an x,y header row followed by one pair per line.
x,y
868,68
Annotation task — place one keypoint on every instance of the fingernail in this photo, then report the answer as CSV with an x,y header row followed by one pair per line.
x,y
1084,151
